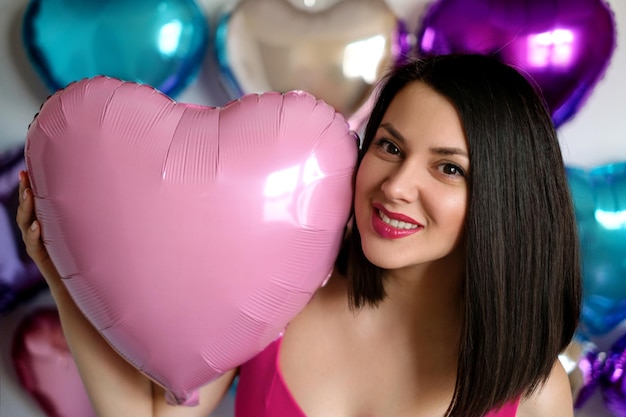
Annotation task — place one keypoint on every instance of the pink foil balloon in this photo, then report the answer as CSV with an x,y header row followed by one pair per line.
x,y
45,367
189,236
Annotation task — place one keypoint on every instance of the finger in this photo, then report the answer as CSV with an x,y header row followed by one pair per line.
x,y
24,181
25,211
34,245
30,228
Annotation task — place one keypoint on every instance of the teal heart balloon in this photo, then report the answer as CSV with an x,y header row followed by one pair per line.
x,y
600,201
159,43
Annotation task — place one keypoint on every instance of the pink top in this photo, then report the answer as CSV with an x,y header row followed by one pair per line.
x,y
262,392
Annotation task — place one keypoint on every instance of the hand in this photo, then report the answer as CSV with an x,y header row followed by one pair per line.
x,y
31,234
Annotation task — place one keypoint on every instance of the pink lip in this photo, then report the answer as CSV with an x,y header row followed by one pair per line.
x,y
396,216
390,232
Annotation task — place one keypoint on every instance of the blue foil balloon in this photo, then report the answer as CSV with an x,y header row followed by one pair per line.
x,y
159,43
600,202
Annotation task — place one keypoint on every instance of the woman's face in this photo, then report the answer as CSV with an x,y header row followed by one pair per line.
x,y
411,186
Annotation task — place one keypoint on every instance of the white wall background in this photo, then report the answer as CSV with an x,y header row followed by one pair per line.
x,y
596,136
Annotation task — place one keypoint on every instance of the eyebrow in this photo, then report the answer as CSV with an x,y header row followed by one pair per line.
x,y
441,150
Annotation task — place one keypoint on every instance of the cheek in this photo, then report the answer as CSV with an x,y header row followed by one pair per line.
x,y
368,172
457,214
449,212
361,182
361,198
360,205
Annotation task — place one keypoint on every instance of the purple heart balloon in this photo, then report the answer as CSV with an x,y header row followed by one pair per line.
x,y
613,380
590,365
564,45
20,279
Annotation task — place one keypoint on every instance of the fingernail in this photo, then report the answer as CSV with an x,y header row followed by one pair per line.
x,y
25,194
33,225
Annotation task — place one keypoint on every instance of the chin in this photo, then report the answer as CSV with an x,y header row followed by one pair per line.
x,y
386,259
382,258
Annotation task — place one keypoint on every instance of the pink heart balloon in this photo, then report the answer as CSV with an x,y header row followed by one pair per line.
x,y
189,236
45,367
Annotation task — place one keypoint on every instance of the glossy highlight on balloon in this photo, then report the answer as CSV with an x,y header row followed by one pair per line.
x,y
189,236
157,43
600,202
563,46
335,50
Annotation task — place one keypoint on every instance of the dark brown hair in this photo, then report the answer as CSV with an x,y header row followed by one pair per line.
x,y
522,284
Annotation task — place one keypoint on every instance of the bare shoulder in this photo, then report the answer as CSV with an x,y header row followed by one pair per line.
x,y
553,399
330,297
320,316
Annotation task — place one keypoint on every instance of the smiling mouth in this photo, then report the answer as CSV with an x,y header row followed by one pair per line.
x,y
398,224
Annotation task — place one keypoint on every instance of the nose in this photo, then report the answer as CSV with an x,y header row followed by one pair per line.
x,y
401,185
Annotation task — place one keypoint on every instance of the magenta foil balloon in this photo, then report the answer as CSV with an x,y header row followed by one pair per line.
x,y
613,380
563,45
590,364
20,279
45,367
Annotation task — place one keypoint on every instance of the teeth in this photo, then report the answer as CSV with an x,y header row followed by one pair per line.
x,y
398,224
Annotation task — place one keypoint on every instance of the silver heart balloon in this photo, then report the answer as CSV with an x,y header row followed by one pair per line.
x,y
334,49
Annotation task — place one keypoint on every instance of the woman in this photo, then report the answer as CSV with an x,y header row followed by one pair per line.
x,y
456,289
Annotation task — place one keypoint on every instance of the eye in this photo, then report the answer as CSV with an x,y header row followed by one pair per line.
x,y
451,169
388,147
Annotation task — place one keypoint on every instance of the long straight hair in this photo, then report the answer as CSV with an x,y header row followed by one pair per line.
x,y
522,288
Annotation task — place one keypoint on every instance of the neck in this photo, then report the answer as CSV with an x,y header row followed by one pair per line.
x,y
423,310
435,289
423,302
